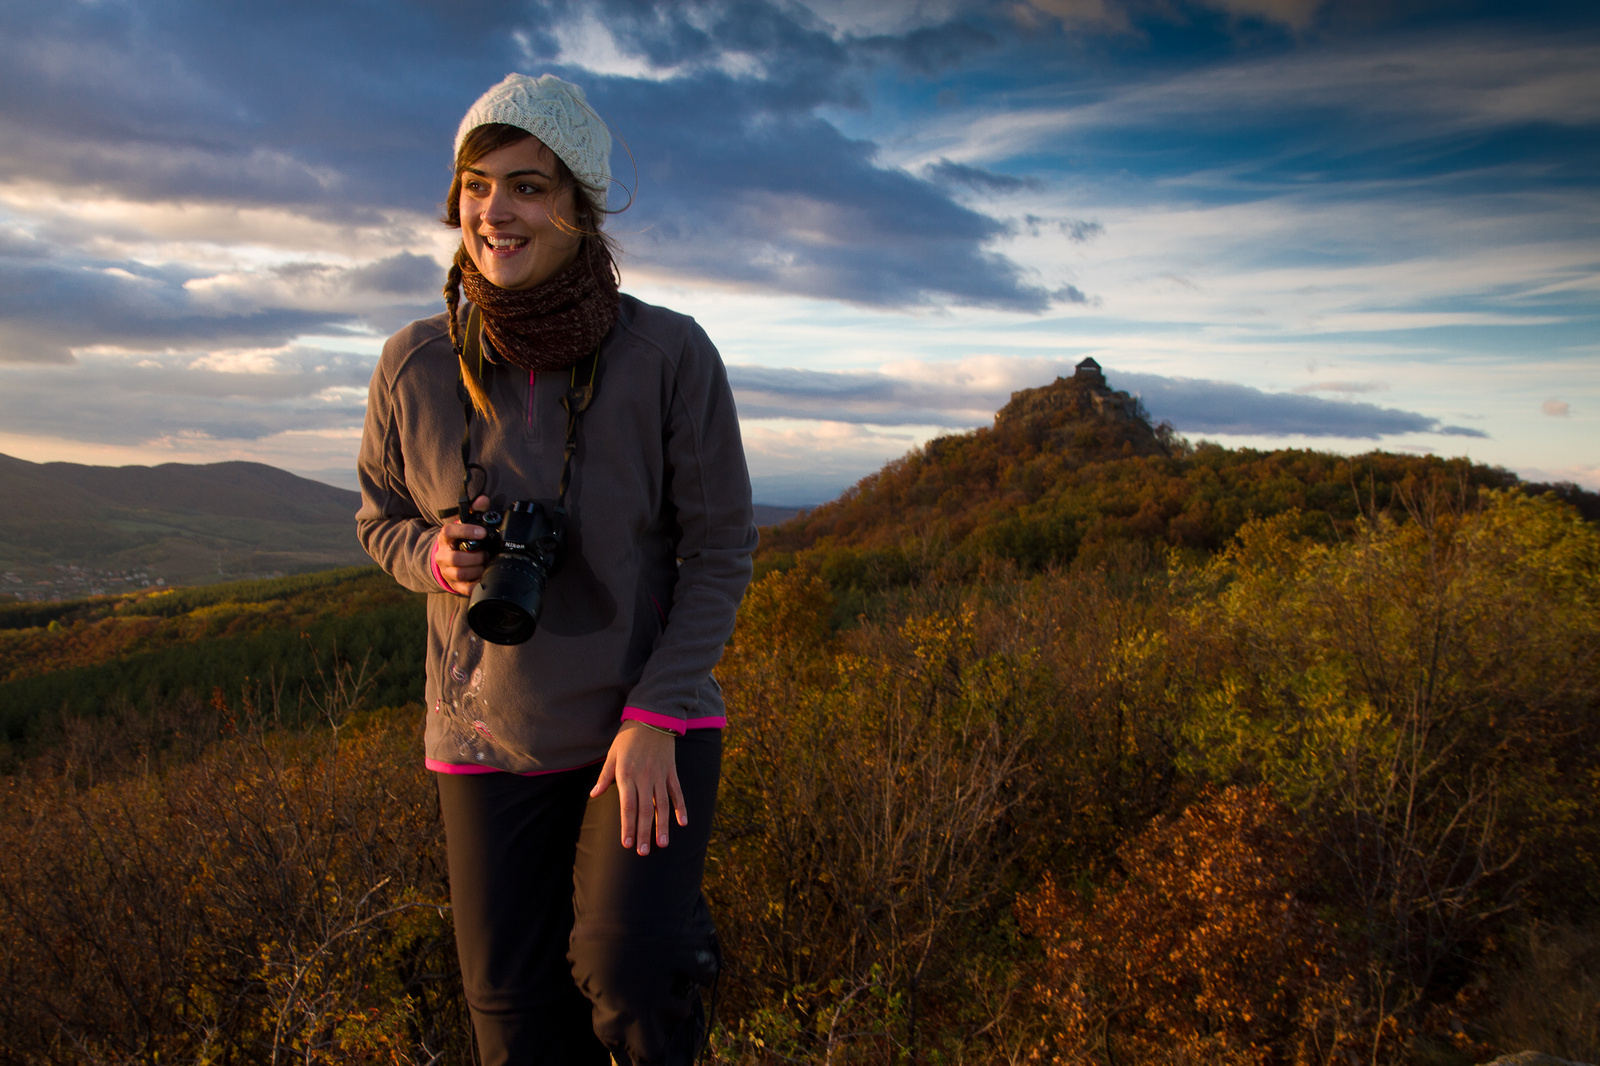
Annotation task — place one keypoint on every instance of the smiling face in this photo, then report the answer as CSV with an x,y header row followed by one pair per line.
x,y
518,220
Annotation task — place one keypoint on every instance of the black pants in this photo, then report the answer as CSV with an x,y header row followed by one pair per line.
x,y
572,947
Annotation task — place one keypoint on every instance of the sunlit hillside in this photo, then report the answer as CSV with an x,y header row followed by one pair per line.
x,y
1062,741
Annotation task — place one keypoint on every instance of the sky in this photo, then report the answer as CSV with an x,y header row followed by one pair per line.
x,y
1336,224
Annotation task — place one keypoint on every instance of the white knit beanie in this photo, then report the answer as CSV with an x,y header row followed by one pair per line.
x,y
556,112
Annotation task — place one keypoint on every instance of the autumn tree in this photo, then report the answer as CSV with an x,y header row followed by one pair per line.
x,y
1202,950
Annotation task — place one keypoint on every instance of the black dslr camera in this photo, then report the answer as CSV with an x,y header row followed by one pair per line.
x,y
525,547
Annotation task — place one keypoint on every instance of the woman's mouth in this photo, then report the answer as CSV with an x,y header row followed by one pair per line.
x,y
505,245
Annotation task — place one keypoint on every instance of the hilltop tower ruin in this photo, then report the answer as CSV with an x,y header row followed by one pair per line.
x,y
1090,374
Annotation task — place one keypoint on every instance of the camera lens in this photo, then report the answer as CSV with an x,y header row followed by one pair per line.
x,y
506,602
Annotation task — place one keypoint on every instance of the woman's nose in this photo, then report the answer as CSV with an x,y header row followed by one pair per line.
x,y
496,208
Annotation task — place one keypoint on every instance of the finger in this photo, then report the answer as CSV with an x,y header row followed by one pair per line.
x,y
663,813
677,797
607,775
647,817
630,813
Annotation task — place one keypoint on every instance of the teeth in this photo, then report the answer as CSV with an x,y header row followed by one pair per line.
x,y
505,242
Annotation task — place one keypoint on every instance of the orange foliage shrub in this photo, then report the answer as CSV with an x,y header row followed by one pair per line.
x,y
281,897
1202,952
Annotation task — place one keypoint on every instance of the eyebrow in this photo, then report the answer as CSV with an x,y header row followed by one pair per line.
x,y
509,175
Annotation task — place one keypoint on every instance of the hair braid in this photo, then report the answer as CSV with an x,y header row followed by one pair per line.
x,y
469,377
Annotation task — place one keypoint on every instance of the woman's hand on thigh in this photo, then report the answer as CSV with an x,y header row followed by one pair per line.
x,y
643,764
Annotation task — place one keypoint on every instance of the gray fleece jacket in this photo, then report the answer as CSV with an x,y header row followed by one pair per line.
x,y
658,542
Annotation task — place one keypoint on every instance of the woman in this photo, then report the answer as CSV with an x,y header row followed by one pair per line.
x,y
573,946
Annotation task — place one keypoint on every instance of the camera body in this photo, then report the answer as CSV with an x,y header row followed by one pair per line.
x,y
526,545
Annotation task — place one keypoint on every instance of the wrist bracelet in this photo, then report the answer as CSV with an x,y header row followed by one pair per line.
x,y
657,728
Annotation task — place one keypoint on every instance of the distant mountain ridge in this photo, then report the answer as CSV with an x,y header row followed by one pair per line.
x,y
232,489
118,528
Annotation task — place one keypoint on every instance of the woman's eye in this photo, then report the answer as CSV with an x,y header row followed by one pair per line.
x,y
527,189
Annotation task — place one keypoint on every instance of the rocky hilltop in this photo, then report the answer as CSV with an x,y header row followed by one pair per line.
x,y
1081,414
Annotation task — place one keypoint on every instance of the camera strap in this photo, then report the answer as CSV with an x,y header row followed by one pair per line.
x,y
575,402
581,389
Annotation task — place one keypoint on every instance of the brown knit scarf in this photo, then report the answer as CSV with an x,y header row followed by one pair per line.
x,y
554,324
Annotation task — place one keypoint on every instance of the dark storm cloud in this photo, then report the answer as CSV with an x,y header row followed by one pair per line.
x,y
344,110
938,397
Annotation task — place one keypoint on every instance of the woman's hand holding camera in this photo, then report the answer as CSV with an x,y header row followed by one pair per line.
x,y
460,570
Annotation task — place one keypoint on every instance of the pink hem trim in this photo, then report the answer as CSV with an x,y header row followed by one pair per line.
x,y
660,721
666,721
474,768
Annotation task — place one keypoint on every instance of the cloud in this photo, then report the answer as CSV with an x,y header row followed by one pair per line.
x,y
1354,387
1394,104
403,274
1098,14
742,181
1196,406
1295,14
929,50
977,178
804,210
1119,15
1585,474
967,392
52,301
1076,230
859,397
144,398
1556,408
805,463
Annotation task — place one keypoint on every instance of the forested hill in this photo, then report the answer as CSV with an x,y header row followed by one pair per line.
x,y
1158,784
115,529
1074,468
175,647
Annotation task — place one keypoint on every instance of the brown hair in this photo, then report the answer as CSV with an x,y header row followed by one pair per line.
x,y
479,142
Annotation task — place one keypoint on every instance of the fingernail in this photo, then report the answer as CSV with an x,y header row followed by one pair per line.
x,y
661,841
627,842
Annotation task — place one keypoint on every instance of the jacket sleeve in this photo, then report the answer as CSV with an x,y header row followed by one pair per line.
x,y
390,525
709,485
